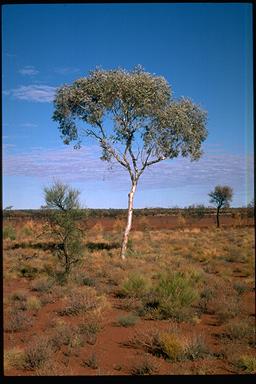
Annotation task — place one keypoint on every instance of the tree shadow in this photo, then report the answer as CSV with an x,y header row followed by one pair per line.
x,y
39,245
101,245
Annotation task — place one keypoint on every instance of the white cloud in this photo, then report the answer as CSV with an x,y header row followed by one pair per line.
x,y
29,125
29,70
35,93
66,70
85,166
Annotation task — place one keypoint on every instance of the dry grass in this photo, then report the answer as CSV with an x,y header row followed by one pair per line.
x,y
216,270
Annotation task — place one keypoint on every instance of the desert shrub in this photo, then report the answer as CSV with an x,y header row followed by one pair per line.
x,y
235,254
17,320
80,300
9,232
175,295
82,278
27,270
247,364
33,303
134,286
62,335
14,358
18,296
170,346
127,321
181,220
145,366
207,294
144,223
240,330
91,361
26,231
225,307
44,284
37,353
240,288
118,225
196,347
91,327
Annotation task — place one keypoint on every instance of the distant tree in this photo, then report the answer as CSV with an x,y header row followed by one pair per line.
x,y
198,210
8,208
63,204
251,208
221,197
149,126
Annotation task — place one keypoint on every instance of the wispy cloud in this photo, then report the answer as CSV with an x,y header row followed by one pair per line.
x,y
85,166
10,55
35,93
29,70
28,125
66,70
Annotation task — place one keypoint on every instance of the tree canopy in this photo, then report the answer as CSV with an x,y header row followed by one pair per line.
x,y
221,196
143,112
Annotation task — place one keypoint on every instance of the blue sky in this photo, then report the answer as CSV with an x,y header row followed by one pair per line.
x,y
203,50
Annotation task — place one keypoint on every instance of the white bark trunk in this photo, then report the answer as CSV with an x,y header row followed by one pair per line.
x,y
129,220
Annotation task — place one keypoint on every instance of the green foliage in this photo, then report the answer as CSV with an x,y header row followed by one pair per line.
x,y
62,223
9,232
175,294
61,196
247,364
134,286
127,321
137,101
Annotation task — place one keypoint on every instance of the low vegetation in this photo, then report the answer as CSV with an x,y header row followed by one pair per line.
x,y
182,303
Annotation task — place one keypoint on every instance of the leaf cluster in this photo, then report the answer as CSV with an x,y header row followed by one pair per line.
x,y
221,196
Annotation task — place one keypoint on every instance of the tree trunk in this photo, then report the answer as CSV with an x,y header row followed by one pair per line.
x,y
129,220
218,220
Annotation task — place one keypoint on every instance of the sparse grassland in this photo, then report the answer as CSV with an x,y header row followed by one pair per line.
x,y
183,300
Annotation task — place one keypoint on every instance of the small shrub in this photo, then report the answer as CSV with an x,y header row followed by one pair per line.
x,y
247,364
37,353
89,330
83,279
80,301
144,367
33,303
240,288
240,330
43,284
18,296
134,286
127,321
225,307
17,320
28,271
14,358
9,232
62,335
175,295
235,255
196,347
91,362
170,346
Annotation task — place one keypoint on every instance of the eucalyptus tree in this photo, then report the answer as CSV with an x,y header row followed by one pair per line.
x,y
221,197
148,124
